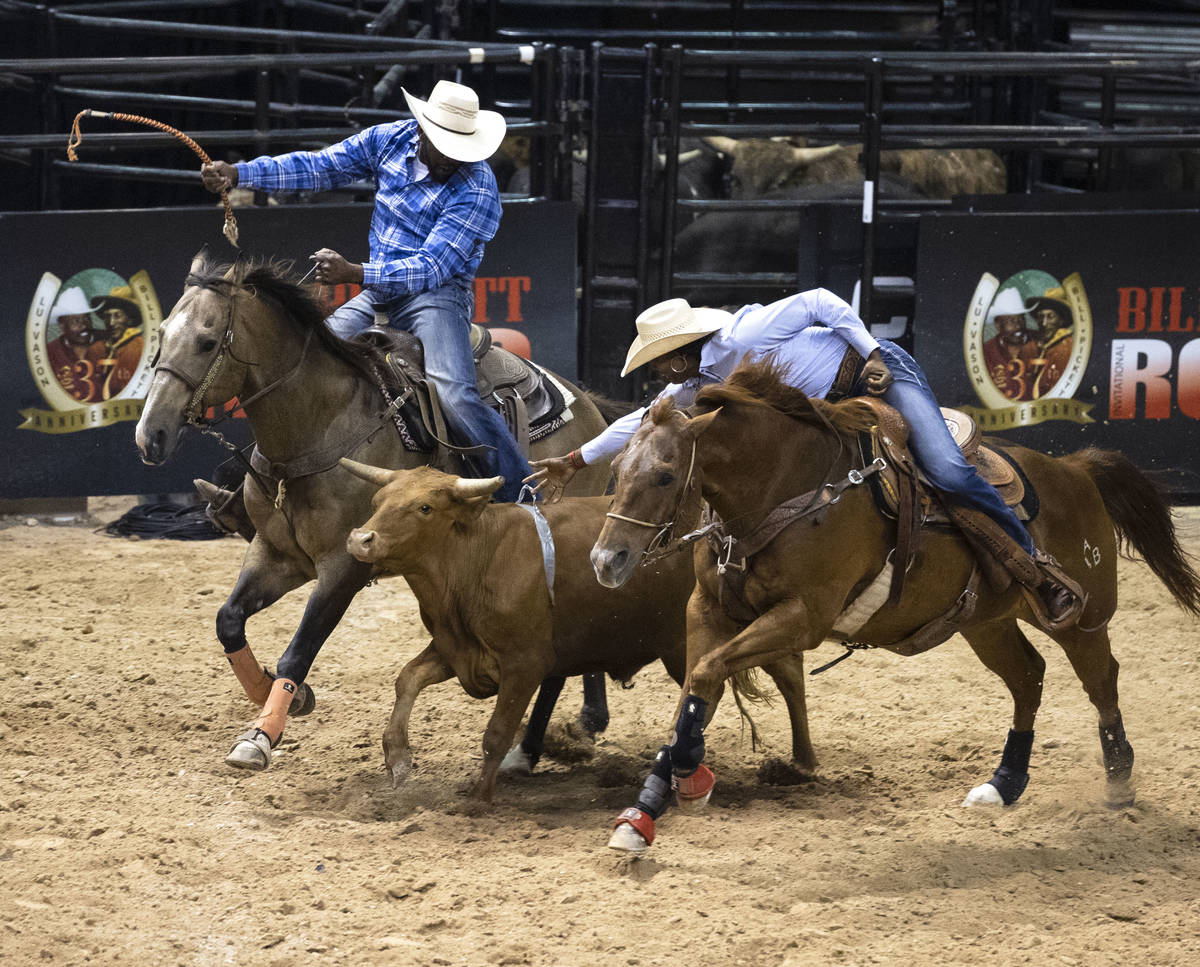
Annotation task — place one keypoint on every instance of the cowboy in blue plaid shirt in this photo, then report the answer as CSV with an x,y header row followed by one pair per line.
x,y
436,206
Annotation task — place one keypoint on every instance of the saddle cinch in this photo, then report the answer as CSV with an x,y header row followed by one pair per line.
x,y
531,401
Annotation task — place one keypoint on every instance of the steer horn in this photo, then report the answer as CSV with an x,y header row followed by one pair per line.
x,y
474,487
807,156
722,144
376,475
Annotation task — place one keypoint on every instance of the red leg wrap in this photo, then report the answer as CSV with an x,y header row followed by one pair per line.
x,y
643,823
696,786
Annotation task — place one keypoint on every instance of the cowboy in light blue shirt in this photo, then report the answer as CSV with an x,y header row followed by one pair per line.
x,y
436,207
691,347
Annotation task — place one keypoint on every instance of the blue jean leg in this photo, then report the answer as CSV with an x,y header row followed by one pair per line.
x,y
935,449
441,320
353,316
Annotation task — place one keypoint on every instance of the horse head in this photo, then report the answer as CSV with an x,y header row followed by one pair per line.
x,y
194,368
657,491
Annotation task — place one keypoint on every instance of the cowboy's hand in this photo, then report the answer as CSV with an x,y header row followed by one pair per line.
x,y
875,375
218,176
551,475
332,269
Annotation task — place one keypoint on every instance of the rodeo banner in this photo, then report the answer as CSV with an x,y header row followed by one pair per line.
x,y
88,293
1071,330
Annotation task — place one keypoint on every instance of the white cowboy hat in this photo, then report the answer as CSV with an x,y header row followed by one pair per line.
x,y
669,325
452,120
72,302
1007,303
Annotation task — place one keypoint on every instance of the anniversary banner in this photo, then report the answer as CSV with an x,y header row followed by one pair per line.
x,y
1068,330
88,291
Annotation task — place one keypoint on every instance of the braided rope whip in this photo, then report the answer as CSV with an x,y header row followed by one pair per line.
x,y
230,230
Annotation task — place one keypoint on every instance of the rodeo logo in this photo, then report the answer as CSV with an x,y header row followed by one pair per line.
x,y
90,341
1027,342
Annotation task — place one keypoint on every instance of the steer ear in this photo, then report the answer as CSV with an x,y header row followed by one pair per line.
x,y
700,424
376,475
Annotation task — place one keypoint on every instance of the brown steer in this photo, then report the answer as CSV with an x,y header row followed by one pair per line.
x,y
477,571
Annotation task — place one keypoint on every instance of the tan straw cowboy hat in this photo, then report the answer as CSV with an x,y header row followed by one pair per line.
x,y
669,325
452,120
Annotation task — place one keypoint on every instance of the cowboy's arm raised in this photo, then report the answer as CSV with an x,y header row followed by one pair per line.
x,y
339,164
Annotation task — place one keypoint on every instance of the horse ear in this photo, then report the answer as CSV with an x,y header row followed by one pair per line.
x,y
199,261
700,424
235,266
376,475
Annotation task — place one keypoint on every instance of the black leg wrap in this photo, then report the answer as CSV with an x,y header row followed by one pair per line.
x,y
1118,753
656,790
594,714
534,741
1012,777
687,747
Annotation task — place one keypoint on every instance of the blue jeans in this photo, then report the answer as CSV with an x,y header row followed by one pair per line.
x,y
441,320
935,449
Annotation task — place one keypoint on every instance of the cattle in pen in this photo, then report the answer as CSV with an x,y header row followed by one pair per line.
x,y
761,166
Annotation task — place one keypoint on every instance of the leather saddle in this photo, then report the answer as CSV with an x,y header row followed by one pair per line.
x,y
532,403
889,441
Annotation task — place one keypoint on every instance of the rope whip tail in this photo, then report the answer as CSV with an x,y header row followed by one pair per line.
x,y
230,229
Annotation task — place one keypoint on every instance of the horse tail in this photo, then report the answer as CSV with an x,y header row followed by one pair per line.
x,y
745,687
1143,520
610,409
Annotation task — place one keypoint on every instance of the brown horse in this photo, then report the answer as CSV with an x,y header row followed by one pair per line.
x,y
754,442
248,331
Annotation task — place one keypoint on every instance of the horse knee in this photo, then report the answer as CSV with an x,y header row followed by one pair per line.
x,y
231,628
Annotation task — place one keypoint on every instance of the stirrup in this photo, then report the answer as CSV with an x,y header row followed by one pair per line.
x,y
1052,571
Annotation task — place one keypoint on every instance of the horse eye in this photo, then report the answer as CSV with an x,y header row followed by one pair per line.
x,y
425,509
208,345
664,479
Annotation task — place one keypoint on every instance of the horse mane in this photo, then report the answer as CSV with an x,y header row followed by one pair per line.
x,y
763,383
274,280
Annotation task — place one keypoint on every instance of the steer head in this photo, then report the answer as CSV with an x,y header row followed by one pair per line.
x,y
414,510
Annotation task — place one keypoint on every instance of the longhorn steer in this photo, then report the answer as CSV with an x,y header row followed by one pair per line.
x,y
478,573
761,166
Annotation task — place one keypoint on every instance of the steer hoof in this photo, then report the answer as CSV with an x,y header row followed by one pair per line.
x,y
985,795
252,750
517,763
304,701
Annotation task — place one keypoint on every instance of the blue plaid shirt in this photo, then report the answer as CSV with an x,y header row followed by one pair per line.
x,y
422,233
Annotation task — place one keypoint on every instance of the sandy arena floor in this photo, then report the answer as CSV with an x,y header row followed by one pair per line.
x,y
125,839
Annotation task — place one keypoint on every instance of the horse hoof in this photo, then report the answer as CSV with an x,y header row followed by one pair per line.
x,y
633,831
692,792
517,763
304,701
985,795
626,839
252,751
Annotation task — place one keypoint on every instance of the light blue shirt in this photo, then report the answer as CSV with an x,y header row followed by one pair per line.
x,y
811,354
